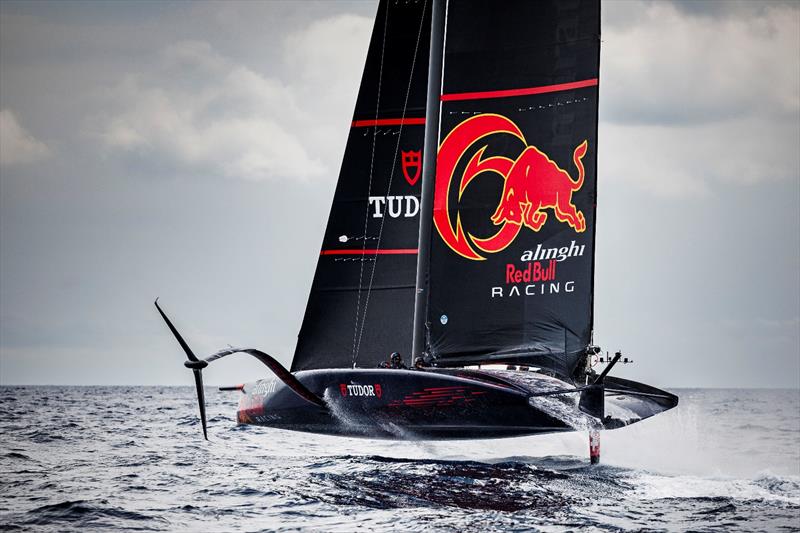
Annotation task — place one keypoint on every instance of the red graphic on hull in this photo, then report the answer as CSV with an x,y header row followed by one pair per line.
x,y
250,407
438,397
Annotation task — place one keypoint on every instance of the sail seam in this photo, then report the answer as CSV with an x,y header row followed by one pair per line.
x,y
376,251
353,289
527,91
394,159
389,122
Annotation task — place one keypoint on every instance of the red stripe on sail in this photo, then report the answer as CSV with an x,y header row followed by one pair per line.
x,y
386,251
519,92
389,122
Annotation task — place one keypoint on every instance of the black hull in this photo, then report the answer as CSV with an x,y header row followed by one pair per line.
x,y
435,404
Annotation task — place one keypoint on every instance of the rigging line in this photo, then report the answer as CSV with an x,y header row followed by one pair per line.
x,y
391,174
369,185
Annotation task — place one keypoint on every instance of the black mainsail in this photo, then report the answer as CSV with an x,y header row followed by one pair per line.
x,y
511,256
361,303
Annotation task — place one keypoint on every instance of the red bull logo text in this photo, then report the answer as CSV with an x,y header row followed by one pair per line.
x,y
535,187
534,276
532,272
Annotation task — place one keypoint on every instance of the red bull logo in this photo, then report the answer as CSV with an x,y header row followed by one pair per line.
x,y
535,187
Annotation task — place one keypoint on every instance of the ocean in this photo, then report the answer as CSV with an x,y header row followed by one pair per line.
x,y
133,459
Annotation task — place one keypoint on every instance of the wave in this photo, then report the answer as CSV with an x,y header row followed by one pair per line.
x,y
94,513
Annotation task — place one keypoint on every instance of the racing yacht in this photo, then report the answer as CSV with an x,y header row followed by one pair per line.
x,y
462,237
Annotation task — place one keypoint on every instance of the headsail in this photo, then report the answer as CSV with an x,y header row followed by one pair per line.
x,y
511,255
361,303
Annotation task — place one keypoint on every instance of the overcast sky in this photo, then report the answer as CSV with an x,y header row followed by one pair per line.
x,y
190,151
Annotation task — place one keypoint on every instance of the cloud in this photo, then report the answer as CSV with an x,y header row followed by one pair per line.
x,y
326,59
690,102
670,68
330,49
16,144
196,108
695,160
729,8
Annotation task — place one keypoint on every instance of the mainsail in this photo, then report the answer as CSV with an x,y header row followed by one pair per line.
x,y
511,254
361,304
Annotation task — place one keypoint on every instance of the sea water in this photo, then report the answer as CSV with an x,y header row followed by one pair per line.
x,y
133,459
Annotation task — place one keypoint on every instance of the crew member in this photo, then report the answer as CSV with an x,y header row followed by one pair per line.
x,y
397,361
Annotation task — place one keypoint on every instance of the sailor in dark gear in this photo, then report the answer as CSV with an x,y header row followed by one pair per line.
x,y
419,363
397,361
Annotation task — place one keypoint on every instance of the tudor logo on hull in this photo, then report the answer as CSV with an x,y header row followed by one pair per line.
x,y
360,390
536,189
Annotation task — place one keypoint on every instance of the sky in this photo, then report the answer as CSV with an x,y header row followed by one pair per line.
x,y
190,151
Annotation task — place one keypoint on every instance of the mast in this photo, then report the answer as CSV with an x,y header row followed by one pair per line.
x,y
430,149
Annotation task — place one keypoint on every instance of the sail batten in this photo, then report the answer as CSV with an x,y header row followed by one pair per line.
x,y
409,121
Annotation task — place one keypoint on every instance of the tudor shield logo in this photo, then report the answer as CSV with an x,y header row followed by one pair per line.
x,y
412,165
536,190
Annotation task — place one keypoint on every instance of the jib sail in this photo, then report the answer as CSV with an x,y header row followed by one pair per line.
x,y
361,304
511,253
